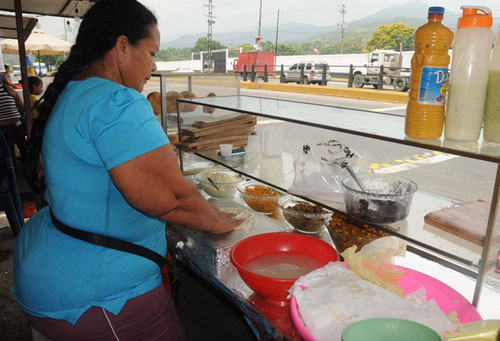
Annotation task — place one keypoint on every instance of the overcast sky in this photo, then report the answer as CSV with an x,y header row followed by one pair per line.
x,y
179,17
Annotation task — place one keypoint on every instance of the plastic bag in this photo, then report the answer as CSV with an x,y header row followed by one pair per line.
x,y
319,168
374,262
477,331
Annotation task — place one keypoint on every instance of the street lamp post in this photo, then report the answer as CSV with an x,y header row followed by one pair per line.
x,y
259,37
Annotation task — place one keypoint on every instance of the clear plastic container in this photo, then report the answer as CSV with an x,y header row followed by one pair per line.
x,y
492,104
469,74
425,110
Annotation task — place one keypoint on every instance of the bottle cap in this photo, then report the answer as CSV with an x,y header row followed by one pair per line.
x,y
436,10
471,18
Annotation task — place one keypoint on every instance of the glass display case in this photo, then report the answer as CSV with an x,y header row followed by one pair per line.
x,y
199,84
471,171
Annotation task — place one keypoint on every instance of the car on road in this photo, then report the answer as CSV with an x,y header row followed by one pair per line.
x,y
183,69
16,70
313,72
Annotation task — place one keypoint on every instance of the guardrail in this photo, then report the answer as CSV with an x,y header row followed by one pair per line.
x,y
358,75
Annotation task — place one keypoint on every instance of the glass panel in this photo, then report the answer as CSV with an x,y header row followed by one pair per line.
x,y
358,122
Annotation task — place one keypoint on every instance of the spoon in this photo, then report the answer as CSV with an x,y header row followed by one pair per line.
x,y
355,177
213,183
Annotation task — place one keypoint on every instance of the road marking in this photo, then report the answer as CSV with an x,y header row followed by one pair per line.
x,y
410,164
390,108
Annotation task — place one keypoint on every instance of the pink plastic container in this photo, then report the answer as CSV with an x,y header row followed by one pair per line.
x,y
446,298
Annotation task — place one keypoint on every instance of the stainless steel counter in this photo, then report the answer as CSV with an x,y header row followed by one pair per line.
x,y
208,256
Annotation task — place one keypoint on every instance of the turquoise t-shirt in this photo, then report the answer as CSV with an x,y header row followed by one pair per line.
x,y
95,125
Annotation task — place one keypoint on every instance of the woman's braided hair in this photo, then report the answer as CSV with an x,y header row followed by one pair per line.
x,y
99,29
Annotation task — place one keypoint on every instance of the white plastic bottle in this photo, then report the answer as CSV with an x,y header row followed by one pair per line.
x,y
469,74
492,104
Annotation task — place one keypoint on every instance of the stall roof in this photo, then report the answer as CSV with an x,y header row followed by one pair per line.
x,y
58,8
8,26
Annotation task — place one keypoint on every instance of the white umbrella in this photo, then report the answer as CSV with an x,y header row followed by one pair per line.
x,y
39,43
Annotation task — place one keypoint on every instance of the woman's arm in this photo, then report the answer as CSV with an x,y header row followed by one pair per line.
x,y
6,80
153,183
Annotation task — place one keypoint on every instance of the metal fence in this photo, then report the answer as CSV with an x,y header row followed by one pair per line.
x,y
357,76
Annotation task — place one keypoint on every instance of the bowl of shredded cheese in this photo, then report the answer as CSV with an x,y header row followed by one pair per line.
x,y
223,182
260,197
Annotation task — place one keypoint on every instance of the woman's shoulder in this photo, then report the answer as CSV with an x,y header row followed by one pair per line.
x,y
115,93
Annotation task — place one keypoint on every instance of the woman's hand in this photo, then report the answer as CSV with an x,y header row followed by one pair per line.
x,y
226,221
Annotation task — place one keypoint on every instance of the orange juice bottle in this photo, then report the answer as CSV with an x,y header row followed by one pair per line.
x,y
429,78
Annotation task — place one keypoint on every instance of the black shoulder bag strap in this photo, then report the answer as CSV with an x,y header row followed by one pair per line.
x,y
109,242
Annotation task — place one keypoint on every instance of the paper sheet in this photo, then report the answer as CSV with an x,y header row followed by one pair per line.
x,y
331,298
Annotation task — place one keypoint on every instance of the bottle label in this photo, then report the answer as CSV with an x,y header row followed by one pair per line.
x,y
433,84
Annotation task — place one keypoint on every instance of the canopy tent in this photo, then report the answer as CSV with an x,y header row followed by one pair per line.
x,y
39,43
59,8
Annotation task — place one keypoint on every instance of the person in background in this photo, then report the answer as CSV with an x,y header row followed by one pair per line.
x,y
12,119
109,169
5,76
36,88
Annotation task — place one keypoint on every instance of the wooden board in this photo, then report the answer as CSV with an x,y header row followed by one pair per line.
x,y
194,132
468,221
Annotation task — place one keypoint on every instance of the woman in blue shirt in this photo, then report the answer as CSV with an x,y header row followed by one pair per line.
x,y
108,170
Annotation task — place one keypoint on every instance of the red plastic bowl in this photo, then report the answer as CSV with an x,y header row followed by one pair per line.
x,y
275,290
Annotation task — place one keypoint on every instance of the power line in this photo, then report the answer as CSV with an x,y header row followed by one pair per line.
x,y
343,27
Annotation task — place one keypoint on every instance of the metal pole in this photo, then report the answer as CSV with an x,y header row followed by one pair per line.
x,y
258,51
492,217
22,57
276,44
342,27
349,82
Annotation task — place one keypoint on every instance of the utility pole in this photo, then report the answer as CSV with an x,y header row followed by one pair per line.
x,y
259,36
343,27
210,21
276,44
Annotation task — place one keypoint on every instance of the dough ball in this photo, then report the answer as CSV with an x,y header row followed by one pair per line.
x,y
172,97
189,107
209,109
154,99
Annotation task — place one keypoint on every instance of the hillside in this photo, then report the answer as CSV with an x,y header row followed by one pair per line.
x,y
412,14
288,32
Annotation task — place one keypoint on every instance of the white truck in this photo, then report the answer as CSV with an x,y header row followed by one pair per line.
x,y
393,73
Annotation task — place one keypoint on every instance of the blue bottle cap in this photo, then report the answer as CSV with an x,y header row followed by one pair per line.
x,y
436,10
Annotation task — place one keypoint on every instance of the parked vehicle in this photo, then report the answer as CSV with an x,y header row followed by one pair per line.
x,y
313,72
16,70
183,69
393,75
40,69
250,58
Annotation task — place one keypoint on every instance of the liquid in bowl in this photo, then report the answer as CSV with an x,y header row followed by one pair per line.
x,y
283,265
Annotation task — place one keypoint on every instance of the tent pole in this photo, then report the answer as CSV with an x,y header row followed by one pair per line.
x,y
22,57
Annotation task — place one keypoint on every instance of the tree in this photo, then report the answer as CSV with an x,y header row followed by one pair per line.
x,y
172,54
388,37
52,61
202,45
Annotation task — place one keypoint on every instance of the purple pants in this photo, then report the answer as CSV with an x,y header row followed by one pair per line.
x,y
151,316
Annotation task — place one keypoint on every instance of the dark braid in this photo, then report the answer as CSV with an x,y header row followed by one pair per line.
x,y
100,27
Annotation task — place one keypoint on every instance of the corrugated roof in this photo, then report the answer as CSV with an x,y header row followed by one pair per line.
x,y
8,26
59,8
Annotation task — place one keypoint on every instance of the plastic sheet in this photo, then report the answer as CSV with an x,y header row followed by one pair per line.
x,y
374,262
